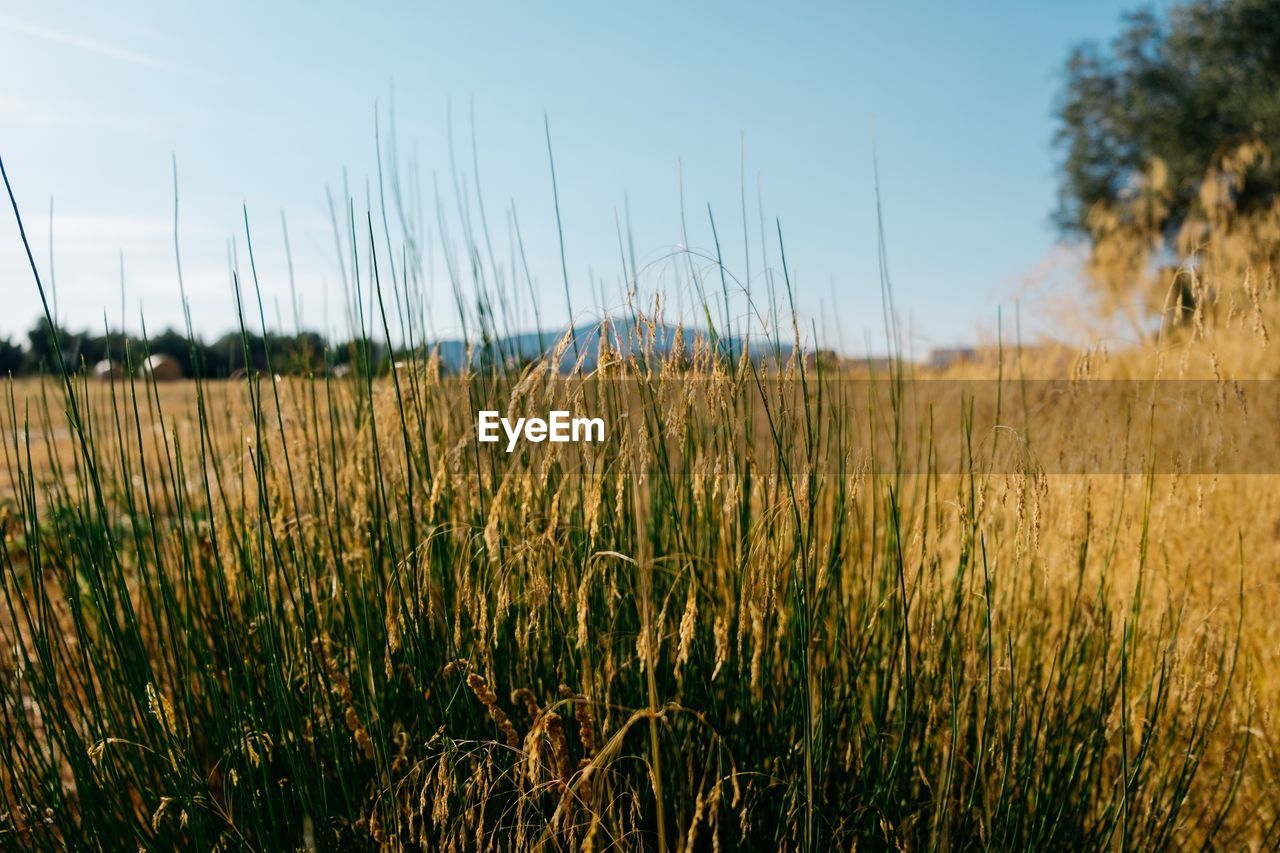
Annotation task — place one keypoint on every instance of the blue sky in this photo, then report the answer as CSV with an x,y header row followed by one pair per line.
x,y
267,104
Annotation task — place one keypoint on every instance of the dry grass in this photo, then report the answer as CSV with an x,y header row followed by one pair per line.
x,y
317,612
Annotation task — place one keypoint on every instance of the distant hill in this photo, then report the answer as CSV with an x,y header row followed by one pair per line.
x,y
623,337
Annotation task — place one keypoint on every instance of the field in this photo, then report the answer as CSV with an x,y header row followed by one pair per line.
x,y
790,602
315,611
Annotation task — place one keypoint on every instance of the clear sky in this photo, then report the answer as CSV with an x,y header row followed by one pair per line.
x,y
266,105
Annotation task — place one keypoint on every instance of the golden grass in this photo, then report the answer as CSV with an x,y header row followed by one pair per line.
x,y
271,614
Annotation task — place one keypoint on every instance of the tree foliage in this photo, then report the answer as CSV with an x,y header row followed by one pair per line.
x,y
1182,90
301,353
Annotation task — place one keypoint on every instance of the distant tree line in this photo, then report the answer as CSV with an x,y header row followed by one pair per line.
x,y
310,353
230,354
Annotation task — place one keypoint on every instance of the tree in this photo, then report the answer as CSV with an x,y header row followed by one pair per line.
x,y
110,345
1177,92
11,357
45,340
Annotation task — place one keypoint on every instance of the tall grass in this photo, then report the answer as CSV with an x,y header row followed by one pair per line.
x,y
316,612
